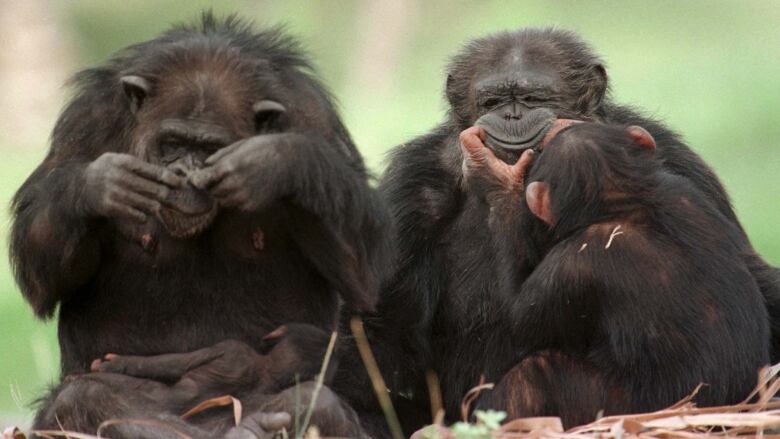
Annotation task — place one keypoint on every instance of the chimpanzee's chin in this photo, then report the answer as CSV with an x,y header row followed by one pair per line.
x,y
181,225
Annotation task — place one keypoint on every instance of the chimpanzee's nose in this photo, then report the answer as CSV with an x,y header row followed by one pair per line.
x,y
185,165
513,111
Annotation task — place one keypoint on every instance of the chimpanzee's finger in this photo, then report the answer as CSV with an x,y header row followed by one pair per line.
x,y
272,338
261,425
222,152
273,421
149,188
209,176
524,162
520,168
276,333
154,172
471,139
116,209
224,188
138,201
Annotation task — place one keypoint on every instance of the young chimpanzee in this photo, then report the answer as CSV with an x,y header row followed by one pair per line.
x,y
637,291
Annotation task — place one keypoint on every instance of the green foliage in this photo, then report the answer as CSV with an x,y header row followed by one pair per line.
x,y
488,421
490,418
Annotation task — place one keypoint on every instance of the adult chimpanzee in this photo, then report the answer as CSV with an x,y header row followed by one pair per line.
x,y
200,187
632,300
439,310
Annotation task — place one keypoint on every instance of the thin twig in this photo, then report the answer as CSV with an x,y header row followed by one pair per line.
x,y
376,377
434,392
615,232
318,385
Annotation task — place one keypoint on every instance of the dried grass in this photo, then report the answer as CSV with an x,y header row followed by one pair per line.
x,y
759,418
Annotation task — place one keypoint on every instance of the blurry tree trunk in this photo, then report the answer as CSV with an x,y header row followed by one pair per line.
x,y
35,61
382,31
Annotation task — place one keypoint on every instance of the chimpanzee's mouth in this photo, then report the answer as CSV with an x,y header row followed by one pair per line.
x,y
519,143
516,135
187,212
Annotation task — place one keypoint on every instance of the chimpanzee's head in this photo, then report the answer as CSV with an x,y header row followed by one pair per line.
x,y
515,84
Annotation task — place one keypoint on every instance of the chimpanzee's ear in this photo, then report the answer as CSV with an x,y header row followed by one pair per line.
x,y
641,137
537,195
136,89
269,114
596,91
449,89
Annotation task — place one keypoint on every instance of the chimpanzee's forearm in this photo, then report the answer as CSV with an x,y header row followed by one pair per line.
x,y
54,247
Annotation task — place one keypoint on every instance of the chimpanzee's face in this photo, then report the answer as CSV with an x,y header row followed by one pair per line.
x,y
189,114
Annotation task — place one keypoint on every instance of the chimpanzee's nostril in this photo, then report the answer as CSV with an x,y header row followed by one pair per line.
x,y
517,112
178,169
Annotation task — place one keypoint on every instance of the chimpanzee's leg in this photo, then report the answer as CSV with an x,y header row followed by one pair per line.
x,y
554,384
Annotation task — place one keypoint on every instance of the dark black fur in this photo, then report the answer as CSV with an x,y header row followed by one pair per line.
x,y
115,293
439,311
638,292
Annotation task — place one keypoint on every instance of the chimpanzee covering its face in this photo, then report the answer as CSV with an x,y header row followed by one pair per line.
x,y
461,244
200,187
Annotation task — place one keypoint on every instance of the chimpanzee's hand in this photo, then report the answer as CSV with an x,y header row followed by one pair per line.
x,y
260,425
483,168
124,186
250,173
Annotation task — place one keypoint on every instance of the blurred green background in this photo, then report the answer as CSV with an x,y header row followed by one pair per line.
x,y
710,69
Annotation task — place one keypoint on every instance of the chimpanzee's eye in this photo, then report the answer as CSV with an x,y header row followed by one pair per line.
x,y
490,102
210,148
168,148
533,99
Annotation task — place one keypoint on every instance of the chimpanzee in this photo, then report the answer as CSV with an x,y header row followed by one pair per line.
x,y
228,367
637,291
176,383
200,187
438,310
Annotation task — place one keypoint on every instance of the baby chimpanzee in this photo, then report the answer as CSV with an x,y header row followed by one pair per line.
x,y
229,367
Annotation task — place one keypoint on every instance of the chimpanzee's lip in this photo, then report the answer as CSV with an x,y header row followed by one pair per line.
x,y
516,135
187,212
517,143
186,225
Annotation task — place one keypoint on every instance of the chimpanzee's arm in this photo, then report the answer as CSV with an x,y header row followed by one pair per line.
x,y
55,245
558,302
422,196
54,248
338,220
502,187
87,176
